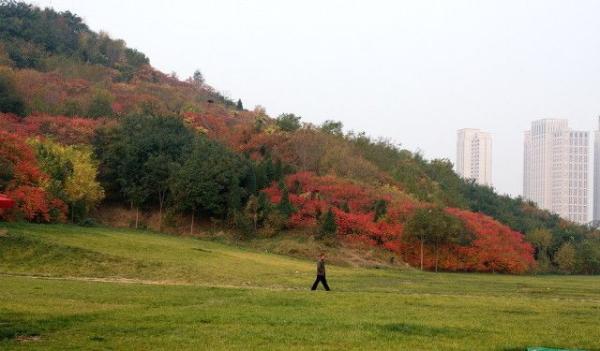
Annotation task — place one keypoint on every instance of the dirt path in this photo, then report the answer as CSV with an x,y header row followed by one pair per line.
x,y
120,280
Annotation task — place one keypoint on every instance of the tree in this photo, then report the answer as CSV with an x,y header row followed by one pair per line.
x,y
157,170
380,208
328,226
101,106
588,256
541,238
332,127
208,180
198,79
264,207
433,227
565,258
24,182
72,171
10,100
140,155
252,210
288,122
239,106
285,207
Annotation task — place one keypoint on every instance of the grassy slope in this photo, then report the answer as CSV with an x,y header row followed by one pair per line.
x,y
189,293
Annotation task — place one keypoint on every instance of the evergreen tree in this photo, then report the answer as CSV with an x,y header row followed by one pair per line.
x,y
328,226
234,195
250,183
285,206
380,208
269,170
264,207
198,79
262,180
278,170
239,105
10,101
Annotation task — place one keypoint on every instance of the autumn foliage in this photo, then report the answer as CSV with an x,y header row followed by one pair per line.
x,y
64,144
23,181
495,248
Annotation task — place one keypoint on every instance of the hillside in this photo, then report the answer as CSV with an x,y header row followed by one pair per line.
x,y
68,287
87,123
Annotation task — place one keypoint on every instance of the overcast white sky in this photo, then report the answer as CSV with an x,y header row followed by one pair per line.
x,y
413,71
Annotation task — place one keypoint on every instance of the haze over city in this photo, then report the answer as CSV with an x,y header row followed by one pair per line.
x,y
411,71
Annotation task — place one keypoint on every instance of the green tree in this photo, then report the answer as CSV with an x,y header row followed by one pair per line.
x,y
73,171
380,208
328,226
588,256
208,180
101,106
565,258
264,207
541,239
285,207
10,100
332,127
140,155
239,106
288,122
198,79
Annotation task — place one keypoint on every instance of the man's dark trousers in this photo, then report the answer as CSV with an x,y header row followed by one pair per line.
x,y
320,278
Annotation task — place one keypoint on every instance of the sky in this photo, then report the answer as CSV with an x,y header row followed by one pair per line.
x,y
411,71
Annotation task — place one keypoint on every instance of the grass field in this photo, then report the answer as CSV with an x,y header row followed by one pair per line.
x,y
66,287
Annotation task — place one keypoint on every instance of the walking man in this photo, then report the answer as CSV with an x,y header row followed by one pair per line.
x,y
320,273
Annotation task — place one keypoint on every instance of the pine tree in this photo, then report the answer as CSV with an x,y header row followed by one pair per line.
x,y
251,184
267,165
264,207
234,196
285,206
328,227
380,208
278,170
262,181
239,105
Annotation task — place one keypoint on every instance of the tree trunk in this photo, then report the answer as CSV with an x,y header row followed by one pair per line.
x,y
137,216
192,225
421,253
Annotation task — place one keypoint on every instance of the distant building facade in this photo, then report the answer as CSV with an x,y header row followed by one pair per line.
x,y
474,155
555,169
596,213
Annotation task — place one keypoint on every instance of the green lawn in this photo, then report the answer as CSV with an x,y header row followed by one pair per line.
x,y
67,287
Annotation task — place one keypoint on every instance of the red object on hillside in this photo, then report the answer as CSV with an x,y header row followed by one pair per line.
x,y
6,202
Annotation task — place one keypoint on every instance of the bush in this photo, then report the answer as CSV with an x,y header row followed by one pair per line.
x,y
88,222
10,100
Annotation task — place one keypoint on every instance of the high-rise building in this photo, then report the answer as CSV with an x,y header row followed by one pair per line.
x,y
474,155
596,214
555,169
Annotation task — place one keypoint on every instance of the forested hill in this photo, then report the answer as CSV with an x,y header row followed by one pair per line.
x,y
85,120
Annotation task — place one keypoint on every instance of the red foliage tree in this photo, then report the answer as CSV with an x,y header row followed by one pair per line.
x,y
22,181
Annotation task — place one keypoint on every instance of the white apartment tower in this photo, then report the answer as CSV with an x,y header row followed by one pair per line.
x,y
555,168
596,215
474,155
